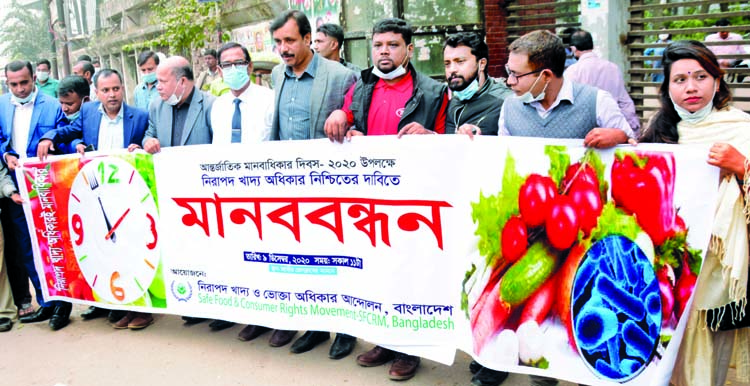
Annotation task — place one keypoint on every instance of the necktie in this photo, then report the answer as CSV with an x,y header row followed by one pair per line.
x,y
236,122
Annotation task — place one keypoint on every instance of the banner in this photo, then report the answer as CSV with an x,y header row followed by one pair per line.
x,y
532,257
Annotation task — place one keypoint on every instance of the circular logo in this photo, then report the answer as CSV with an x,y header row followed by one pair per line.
x,y
400,112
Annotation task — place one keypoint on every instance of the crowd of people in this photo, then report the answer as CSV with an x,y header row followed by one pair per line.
x,y
551,91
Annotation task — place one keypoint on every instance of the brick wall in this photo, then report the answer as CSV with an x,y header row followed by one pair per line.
x,y
495,25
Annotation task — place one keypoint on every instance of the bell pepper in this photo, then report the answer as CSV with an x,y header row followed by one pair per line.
x,y
643,185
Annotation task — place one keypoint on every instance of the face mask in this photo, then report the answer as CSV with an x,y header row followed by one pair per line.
x,y
528,98
663,37
42,76
149,78
698,115
236,76
24,100
468,92
173,99
73,117
395,73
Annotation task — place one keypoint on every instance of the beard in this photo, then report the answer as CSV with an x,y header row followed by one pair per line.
x,y
459,83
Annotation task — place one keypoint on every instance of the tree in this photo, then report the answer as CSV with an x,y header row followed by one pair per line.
x,y
21,34
187,25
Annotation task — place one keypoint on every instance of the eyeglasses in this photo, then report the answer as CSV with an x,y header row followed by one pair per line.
x,y
227,65
512,75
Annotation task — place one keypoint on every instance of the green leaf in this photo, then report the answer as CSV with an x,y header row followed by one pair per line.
x,y
559,160
615,221
592,159
492,212
695,260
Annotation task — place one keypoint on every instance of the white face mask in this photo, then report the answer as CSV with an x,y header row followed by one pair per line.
x,y
395,73
173,99
698,115
527,97
663,37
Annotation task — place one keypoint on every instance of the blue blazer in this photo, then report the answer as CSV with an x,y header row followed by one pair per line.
x,y
47,116
85,129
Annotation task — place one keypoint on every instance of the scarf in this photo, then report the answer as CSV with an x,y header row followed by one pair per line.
x,y
722,282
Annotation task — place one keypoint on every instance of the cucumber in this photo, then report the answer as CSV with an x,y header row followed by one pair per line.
x,y
528,274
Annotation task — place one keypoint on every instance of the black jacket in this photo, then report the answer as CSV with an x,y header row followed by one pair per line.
x,y
482,109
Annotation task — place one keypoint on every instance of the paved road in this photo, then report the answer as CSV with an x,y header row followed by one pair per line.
x,y
169,354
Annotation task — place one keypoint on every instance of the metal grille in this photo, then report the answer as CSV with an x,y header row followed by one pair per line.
x,y
528,15
684,20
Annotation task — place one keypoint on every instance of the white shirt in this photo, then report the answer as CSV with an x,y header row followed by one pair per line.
x,y
22,125
256,111
110,131
608,114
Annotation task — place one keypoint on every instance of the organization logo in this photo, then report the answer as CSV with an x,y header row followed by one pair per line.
x,y
182,291
400,112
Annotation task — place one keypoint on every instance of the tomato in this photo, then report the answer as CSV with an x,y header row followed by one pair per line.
x,y
562,223
578,172
588,202
534,199
514,239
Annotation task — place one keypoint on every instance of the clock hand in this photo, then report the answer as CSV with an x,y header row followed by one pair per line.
x,y
111,232
106,220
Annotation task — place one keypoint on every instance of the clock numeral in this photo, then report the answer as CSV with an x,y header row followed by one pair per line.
x,y
152,244
117,292
78,228
112,179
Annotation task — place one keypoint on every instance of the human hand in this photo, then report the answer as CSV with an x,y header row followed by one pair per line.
x,y
604,138
335,126
43,148
414,128
152,145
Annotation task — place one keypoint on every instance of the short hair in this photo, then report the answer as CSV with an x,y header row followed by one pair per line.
x,y
545,50
18,65
87,67
183,71
210,52
472,40
723,22
567,33
395,25
333,30
582,40
73,84
95,61
105,72
230,45
44,61
83,58
144,56
303,24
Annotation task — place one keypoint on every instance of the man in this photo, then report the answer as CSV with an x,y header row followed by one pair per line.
x,y
592,70
212,70
726,36
7,307
307,89
25,115
550,106
251,108
474,107
44,83
476,98
97,65
180,117
86,70
145,91
391,98
329,39
73,92
106,125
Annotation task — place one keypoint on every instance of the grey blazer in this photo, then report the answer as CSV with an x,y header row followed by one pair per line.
x,y
197,129
332,81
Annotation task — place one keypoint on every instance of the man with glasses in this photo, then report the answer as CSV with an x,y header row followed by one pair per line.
x,y
249,105
547,105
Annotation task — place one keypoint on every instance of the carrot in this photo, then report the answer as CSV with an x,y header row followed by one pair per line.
x,y
566,276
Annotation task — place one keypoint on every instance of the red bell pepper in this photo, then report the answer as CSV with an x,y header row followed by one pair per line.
x,y
643,184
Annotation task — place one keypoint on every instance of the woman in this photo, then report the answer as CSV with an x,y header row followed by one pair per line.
x,y
695,109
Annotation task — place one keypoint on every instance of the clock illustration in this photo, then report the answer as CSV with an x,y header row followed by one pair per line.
x,y
112,217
